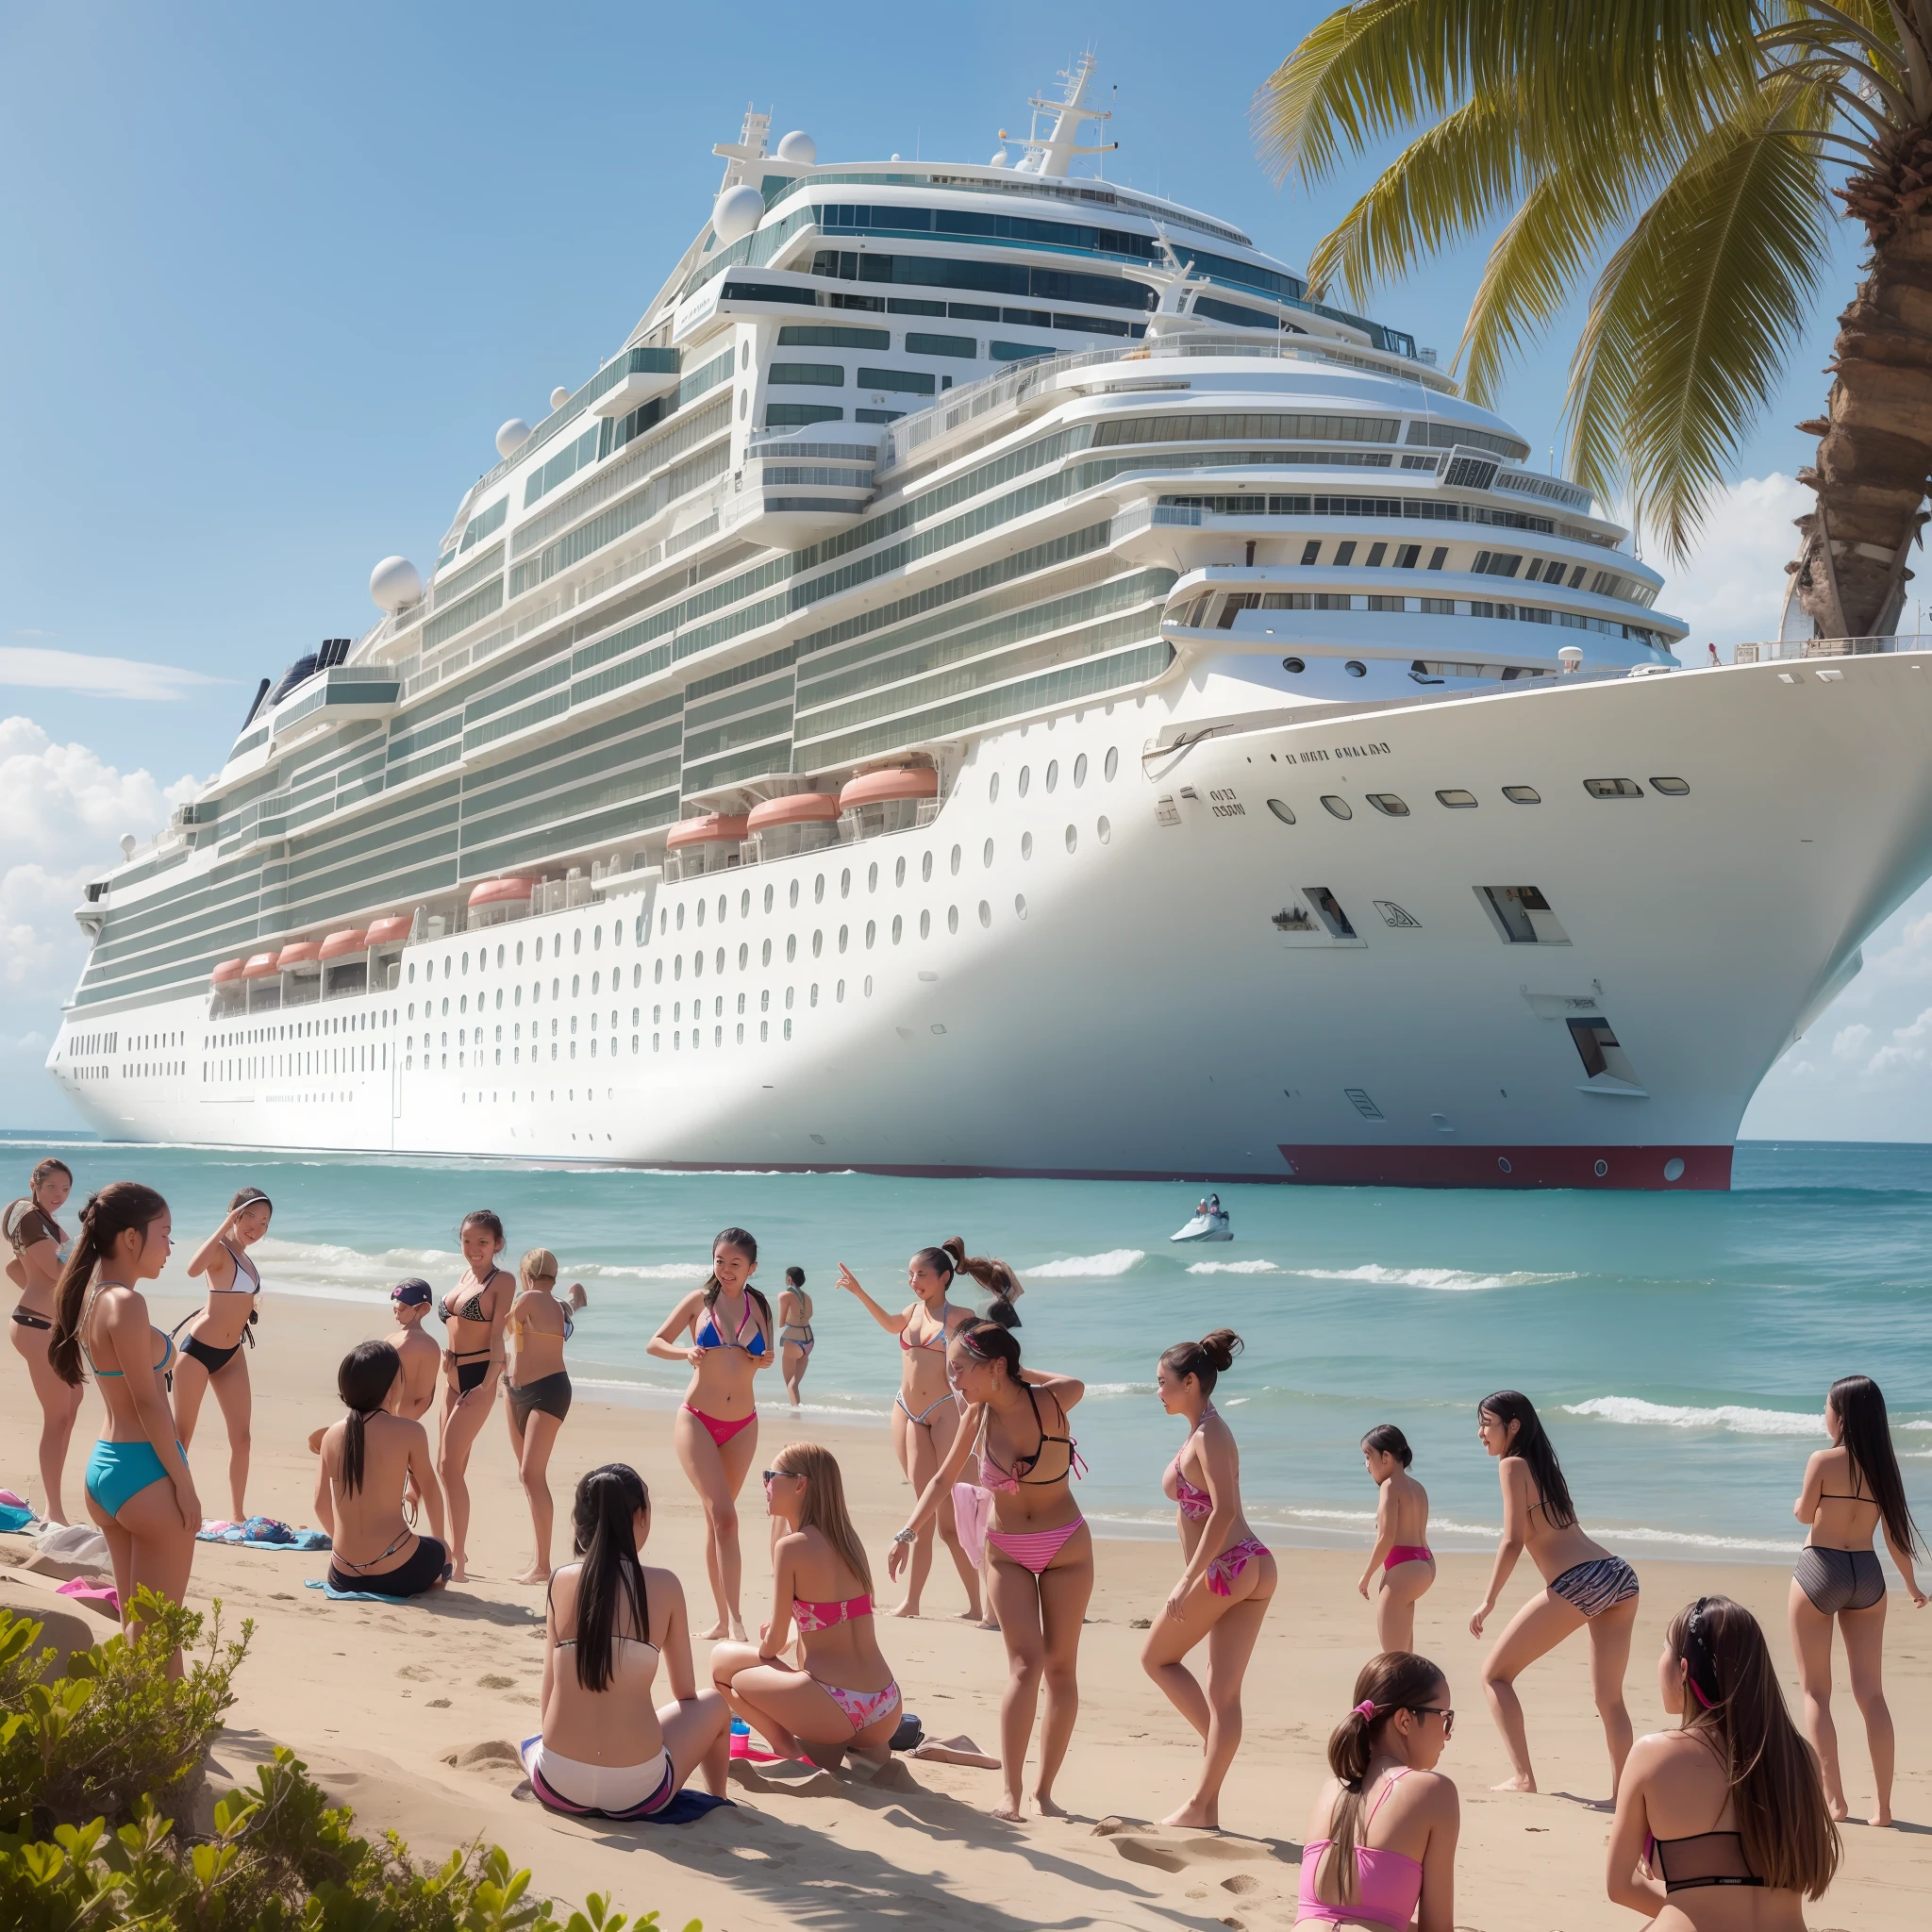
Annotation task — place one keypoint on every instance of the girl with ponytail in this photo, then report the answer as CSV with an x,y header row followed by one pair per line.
x,y
606,1748
1381,1840
367,1460
39,1246
473,1312
727,1328
212,1353
926,1415
1229,1575
139,1491
1731,1800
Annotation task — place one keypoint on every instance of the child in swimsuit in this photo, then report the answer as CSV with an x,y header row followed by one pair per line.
x,y
1401,1567
795,1338
212,1349
843,1697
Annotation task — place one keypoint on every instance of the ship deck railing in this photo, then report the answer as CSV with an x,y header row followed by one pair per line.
x,y
1794,650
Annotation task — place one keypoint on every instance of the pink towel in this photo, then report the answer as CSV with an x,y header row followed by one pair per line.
x,y
95,1596
972,1511
14,1502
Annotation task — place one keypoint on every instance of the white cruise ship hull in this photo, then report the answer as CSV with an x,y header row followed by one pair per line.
x,y
1147,1018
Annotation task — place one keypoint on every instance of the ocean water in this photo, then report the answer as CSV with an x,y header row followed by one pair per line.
x,y
1677,1347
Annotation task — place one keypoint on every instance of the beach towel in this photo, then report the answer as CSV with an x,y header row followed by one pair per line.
x,y
263,1533
361,1597
95,1596
687,1807
16,1519
972,1511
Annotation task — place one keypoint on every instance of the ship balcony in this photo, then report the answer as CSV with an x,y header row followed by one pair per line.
x,y
647,375
796,490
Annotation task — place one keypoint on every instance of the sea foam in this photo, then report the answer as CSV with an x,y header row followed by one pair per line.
x,y
1087,1267
1730,1415
1452,1279
1257,1267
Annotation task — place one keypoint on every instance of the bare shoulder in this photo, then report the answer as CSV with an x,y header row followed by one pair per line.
x,y
1432,1793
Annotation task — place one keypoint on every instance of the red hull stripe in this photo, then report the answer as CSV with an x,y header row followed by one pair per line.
x,y
1454,1166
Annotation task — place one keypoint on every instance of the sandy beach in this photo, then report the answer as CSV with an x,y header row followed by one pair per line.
x,y
408,1714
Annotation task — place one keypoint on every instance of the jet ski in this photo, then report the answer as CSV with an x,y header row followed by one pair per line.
x,y
1209,1223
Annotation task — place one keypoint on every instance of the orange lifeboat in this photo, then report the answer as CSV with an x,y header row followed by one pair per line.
x,y
260,966
340,945
794,808
301,953
500,893
890,787
227,972
714,828
390,931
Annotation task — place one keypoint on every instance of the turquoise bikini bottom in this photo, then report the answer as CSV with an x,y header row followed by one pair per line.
x,y
118,1471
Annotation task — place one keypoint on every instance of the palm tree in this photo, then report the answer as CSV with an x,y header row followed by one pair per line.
x,y
1683,158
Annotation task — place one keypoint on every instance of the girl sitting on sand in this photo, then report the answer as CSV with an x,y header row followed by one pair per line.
x,y
537,1394
1228,1578
605,1748
1042,1551
1585,1587
1381,1840
1850,1490
1400,1566
844,1697
1720,1823
366,1459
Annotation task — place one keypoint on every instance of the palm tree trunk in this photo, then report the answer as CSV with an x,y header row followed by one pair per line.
x,y
1875,448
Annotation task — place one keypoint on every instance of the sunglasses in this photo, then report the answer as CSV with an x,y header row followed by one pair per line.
x,y
1445,1712
772,1476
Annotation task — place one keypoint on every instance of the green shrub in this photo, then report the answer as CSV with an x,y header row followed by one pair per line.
x,y
113,1731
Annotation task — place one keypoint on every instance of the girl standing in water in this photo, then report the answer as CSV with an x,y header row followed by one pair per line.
x,y
474,1309
212,1355
1585,1588
1042,1551
537,1395
39,1251
794,1331
925,1417
1400,1566
1229,1576
1851,1491
716,1430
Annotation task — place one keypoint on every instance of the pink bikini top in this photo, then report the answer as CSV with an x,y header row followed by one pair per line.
x,y
810,1617
1194,1504
1387,1885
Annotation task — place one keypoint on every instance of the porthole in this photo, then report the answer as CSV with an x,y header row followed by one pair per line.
x,y
899,872
790,947
1613,788
1080,771
956,862
1073,837
818,943
925,868
596,938
745,904
765,954
744,957
898,928
1671,787
1523,794
701,912
986,853
1389,804
792,898
872,877
992,789
1337,808
1026,844
1673,1169
1356,668
1102,830
817,890
1296,665
871,933
1020,903
845,883
1602,1168
1456,800
844,934
1503,1165
1053,774
868,979
1113,764
1026,779
1282,810
769,890
952,919
926,925
985,914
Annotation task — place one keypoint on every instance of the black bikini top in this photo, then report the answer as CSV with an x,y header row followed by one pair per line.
x,y
1708,1857
472,1311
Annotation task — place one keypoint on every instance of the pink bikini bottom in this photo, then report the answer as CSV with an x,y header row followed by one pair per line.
x,y
862,1708
721,1433
1034,1549
1406,1553
1225,1568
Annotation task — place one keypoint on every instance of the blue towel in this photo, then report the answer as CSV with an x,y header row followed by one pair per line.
x,y
300,1540
686,1809
15,1521
358,1596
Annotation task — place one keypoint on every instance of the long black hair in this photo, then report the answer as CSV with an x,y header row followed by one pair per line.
x,y
604,1528
747,1247
1507,1406
119,1207
1865,1435
367,1375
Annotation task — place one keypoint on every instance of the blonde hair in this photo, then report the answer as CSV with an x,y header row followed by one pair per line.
x,y
824,1503
539,1264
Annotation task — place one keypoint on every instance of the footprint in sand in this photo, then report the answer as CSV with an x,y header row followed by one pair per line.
x,y
1137,1852
1243,1882
493,1680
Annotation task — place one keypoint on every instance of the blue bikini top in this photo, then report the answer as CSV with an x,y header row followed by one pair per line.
x,y
709,1337
167,1340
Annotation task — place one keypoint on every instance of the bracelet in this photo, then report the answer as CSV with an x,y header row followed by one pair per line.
x,y
906,1536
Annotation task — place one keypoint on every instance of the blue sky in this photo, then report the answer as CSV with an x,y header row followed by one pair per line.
x,y
275,276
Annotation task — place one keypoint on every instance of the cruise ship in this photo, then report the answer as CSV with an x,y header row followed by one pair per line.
x,y
992,677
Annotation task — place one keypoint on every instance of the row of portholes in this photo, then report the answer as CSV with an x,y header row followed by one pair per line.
x,y
452,963
1673,1167
1110,766
577,983
1393,807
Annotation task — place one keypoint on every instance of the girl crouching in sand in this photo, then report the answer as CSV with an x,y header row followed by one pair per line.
x,y
1401,1567
844,1697
1381,1840
606,1748
1727,1814
1225,1589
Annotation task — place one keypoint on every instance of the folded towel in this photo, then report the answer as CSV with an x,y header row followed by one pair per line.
x,y
237,1534
95,1596
16,1518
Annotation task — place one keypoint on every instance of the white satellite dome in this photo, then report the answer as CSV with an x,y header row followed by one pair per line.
x,y
512,435
999,159
799,147
395,583
736,212
559,396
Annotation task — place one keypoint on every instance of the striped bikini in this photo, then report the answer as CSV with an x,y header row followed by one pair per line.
x,y
1032,1549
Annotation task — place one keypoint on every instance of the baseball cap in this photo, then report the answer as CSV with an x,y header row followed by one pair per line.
x,y
411,1293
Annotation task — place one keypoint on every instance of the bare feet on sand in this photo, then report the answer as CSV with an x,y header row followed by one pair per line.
x,y
1515,1784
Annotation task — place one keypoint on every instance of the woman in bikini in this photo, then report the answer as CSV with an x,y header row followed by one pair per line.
x,y
1042,1550
368,1459
926,1416
474,1312
39,1244
1227,1576
211,1352
1381,1840
1585,1588
842,1697
537,1394
1850,1490
716,1430
606,1748
140,1491
1721,1824
795,1338
1401,1567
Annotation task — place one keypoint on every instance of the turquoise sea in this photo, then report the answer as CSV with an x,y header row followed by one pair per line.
x,y
1678,1346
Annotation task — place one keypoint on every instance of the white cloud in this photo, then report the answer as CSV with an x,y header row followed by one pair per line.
x,y
1850,1043
42,669
1732,589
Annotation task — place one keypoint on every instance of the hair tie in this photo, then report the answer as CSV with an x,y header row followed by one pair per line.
x,y
1698,1694
1365,1709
